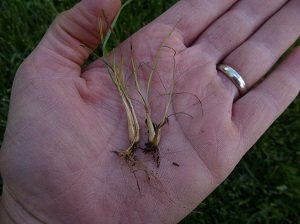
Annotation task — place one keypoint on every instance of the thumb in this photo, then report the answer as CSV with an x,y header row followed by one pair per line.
x,y
79,25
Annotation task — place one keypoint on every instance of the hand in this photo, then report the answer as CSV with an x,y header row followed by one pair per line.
x,y
56,158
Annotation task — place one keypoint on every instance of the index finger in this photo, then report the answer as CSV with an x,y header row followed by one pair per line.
x,y
195,16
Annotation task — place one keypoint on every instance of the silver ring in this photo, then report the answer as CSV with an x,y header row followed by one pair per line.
x,y
234,77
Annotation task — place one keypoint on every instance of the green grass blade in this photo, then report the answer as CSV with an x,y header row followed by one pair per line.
x,y
156,58
104,43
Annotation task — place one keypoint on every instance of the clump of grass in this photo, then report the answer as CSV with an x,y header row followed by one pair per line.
x,y
116,74
154,130
114,71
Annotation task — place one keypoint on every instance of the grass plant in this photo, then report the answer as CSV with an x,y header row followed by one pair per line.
x,y
154,130
116,74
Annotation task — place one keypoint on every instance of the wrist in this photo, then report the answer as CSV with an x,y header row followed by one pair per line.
x,y
4,215
12,212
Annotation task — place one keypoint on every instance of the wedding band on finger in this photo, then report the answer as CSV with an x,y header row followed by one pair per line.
x,y
234,77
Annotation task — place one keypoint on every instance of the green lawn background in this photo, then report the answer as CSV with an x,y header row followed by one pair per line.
x,y
265,186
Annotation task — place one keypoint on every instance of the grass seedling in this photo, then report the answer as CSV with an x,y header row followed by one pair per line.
x,y
153,129
116,74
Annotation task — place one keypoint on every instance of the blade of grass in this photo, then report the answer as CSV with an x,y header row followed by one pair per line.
x,y
156,58
105,40
172,86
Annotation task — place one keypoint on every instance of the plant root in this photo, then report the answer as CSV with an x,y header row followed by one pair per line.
x,y
152,149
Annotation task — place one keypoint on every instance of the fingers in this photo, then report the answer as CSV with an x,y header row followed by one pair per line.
x,y
258,109
260,52
234,27
195,16
79,25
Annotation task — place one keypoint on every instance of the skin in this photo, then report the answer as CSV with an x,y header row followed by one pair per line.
x,y
56,158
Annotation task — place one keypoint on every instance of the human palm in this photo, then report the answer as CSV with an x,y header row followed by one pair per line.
x,y
64,123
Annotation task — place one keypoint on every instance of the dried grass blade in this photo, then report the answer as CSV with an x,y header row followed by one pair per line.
x,y
156,58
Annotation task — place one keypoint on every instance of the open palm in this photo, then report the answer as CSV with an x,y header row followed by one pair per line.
x,y
64,123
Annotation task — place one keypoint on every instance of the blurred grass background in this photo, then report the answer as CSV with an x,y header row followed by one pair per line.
x,y
264,187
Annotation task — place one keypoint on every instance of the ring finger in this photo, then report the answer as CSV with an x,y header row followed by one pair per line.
x,y
260,52
232,30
